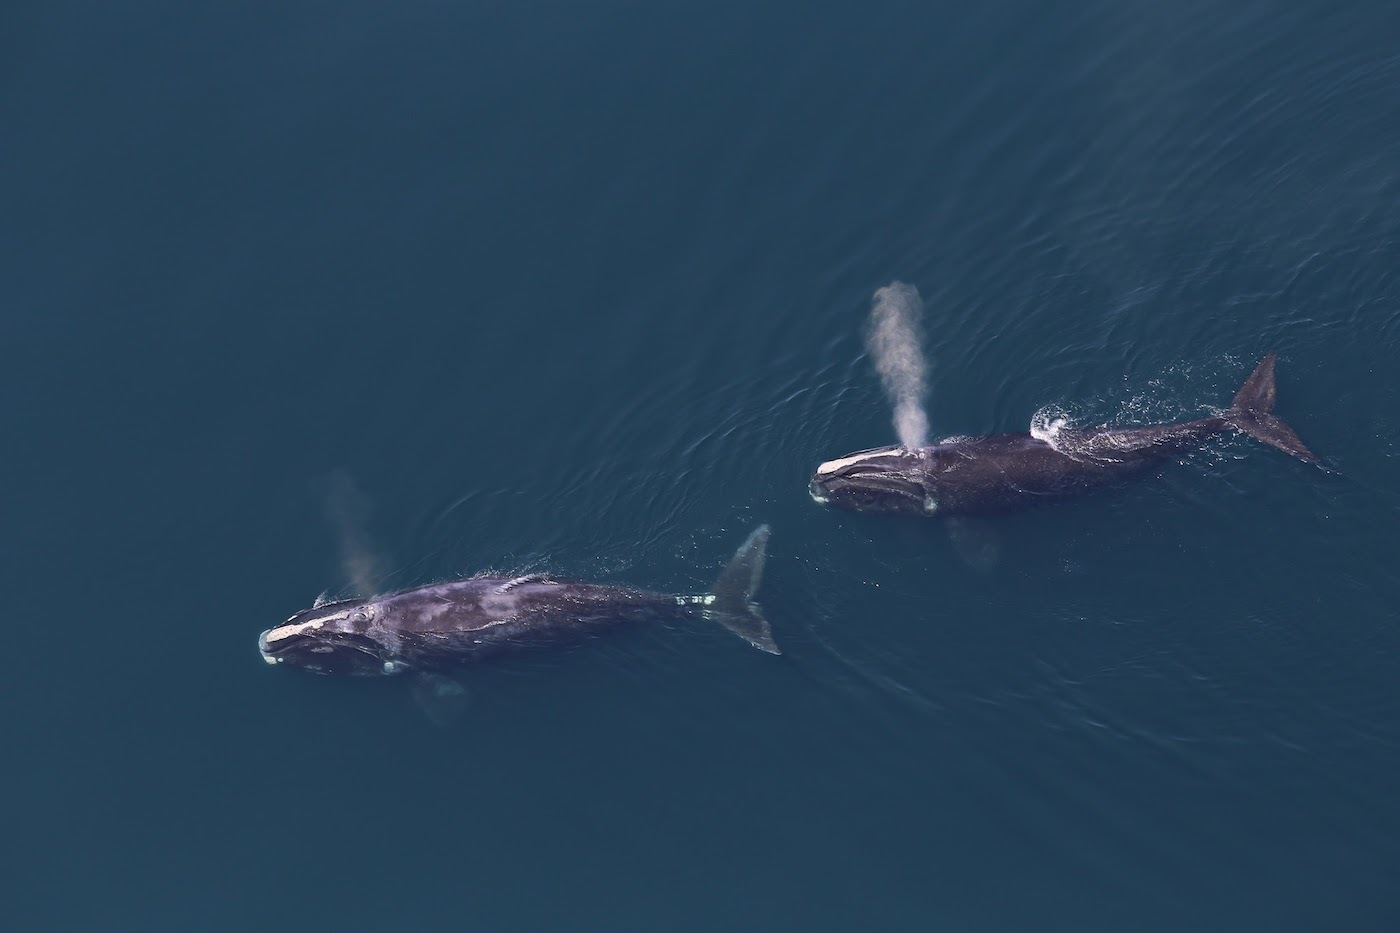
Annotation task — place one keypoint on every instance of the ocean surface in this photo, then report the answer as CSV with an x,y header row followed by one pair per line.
x,y
300,295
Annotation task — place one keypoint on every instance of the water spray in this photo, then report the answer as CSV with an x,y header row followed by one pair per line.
x,y
347,511
895,346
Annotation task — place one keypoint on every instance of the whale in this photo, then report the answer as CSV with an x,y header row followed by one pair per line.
x,y
442,626
1003,472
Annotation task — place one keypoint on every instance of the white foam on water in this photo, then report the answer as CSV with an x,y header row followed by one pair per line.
x,y
1048,423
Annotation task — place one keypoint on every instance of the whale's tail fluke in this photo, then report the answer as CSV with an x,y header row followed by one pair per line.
x,y
733,605
1252,413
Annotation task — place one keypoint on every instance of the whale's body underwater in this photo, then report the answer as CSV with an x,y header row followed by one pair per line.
x,y
434,629
969,476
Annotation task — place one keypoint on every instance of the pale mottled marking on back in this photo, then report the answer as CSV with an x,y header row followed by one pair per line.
x,y
433,612
501,605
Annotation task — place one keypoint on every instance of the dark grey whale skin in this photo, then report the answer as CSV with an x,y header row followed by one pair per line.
x,y
979,475
441,626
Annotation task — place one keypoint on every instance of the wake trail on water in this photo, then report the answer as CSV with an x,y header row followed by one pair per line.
x,y
893,340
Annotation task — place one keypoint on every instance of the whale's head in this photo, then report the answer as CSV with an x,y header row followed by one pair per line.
x,y
335,638
884,479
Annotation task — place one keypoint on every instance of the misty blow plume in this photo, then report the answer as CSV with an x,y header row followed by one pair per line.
x,y
894,343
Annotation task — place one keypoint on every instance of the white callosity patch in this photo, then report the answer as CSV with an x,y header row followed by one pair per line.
x,y
287,631
831,466
365,613
930,505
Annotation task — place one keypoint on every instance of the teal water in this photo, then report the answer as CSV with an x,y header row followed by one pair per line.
x,y
581,287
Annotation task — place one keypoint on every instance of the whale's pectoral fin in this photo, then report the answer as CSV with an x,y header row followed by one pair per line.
x,y
975,541
733,605
443,700
1252,412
